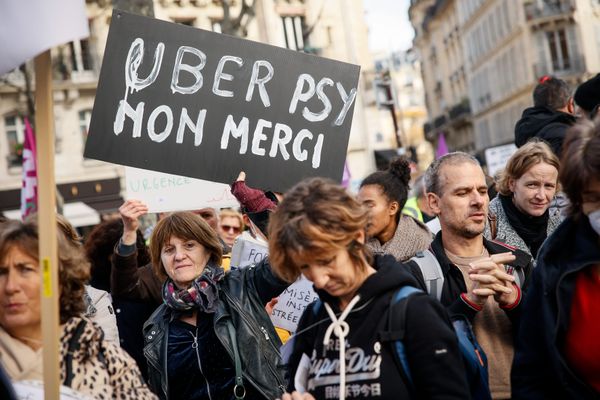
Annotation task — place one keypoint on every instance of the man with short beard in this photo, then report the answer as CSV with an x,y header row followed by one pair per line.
x,y
482,279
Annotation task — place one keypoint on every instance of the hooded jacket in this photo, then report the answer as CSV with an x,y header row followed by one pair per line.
x,y
546,124
540,370
430,345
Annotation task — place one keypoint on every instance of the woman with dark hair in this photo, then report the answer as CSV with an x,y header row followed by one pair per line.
x,y
520,215
130,314
345,343
557,354
384,193
100,245
89,364
212,338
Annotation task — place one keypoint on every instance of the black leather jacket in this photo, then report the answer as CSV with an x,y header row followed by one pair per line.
x,y
242,298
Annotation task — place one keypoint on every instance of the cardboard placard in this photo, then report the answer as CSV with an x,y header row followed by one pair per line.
x,y
190,102
247,251
292,302
166,192
497,157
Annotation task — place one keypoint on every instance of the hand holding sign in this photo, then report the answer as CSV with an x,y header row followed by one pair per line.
x,y
130,211
196,103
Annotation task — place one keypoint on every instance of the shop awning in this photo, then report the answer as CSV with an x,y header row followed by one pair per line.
x,y
77,213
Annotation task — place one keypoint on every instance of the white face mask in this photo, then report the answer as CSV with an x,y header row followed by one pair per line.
x,y
595,220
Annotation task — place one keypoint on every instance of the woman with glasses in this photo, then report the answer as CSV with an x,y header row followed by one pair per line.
x,y
231,225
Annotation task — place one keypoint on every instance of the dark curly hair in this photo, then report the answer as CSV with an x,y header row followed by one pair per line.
x,y
73,266
394,182
99,247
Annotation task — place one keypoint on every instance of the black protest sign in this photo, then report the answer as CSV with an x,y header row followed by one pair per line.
x,y
196,103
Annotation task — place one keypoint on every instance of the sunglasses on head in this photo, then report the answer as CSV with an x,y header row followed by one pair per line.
x,y
228,228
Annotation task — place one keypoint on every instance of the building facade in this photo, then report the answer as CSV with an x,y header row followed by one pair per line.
x,y
335,29
438,41
402,69
506,47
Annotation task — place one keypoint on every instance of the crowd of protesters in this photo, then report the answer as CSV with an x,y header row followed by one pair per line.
x,y
445,292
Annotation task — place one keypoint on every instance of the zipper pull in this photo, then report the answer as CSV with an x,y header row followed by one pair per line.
x,y
264,331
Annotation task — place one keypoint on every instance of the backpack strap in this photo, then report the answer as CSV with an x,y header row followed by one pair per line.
x,y
432,272
72,348
397,327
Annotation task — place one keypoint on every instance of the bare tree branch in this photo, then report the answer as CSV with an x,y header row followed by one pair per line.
x,y
237,26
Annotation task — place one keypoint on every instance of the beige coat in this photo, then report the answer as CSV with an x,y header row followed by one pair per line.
x,y
99,368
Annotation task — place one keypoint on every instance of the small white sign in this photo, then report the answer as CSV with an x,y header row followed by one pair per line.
x,y
292,302
497,157
247,251
165,192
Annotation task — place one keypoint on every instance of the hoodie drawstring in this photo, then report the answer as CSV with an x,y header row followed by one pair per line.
x,y
341,329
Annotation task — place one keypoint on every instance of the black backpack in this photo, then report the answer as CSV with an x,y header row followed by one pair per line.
x,y
473,355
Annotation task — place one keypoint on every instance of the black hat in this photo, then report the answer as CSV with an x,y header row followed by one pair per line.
x,y
587,95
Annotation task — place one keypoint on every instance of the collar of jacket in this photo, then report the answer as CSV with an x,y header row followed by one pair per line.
x,y
573,245
522,260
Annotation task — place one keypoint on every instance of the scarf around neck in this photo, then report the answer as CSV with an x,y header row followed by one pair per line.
x,y
533,230
202,294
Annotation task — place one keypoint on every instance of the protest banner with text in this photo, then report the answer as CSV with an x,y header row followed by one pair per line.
x,y
195,103
166,192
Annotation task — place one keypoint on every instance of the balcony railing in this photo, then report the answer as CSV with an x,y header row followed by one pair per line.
x,y
543,9
439,121
574,65
427,127
461,109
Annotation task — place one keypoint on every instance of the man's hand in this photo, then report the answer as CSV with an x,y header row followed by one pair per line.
x,y
490,279
130,211
241,176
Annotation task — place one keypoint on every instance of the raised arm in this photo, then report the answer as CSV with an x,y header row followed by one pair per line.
x,y
127,279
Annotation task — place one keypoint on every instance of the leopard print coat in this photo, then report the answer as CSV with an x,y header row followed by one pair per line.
x,y
88,363
94,366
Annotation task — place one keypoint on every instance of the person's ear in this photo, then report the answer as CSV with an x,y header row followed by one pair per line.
x,y
433,200
394,208
512,184
360,237
571,106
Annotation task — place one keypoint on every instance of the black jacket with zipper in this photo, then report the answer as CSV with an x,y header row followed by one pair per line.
x,y
454,283
372,371
540,370
243,295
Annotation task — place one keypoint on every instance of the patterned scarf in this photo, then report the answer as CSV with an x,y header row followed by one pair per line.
x,y
202,294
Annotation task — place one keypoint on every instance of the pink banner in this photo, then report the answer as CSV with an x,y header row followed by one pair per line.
x,y
29,188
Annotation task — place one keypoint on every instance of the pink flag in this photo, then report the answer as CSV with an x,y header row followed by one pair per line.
x,y
29,188
346,177
442,148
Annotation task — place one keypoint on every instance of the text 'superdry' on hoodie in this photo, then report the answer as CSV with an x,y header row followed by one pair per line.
x,y
545,124
371,372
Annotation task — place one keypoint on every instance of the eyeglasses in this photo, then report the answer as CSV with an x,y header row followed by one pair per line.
x,y
228,228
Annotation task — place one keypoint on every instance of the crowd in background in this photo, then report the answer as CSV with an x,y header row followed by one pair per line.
x,y
456,286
